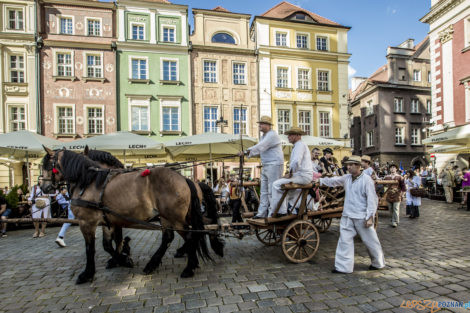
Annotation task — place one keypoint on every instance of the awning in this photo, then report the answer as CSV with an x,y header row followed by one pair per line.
x,y
455,136
455,149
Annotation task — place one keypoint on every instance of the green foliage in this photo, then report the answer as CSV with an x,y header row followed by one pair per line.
x,y
12,197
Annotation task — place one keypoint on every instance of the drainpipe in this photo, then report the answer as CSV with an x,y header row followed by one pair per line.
x,y
39,45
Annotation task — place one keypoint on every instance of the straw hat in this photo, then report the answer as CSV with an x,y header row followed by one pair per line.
x,y
328,150
265,120
366,158
295,131
353,159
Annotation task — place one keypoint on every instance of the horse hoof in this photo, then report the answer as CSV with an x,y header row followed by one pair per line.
x,y
84,278
112,263
127,262
149,269
187,273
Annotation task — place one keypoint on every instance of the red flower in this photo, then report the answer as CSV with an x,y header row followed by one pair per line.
x,y
55,171
145,173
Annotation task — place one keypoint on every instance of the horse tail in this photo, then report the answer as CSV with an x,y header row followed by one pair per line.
x,y
197,223
217,244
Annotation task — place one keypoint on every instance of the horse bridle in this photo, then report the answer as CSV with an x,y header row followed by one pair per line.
x,y
55,170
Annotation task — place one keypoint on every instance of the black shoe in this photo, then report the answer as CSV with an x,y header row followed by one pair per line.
x,y
335,271
373,268
281,215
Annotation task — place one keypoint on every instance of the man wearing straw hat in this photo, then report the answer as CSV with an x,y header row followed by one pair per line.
x,y
301,170
360,205
272,158
366,168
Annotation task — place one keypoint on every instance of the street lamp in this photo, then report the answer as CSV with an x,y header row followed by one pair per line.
x,y
222,123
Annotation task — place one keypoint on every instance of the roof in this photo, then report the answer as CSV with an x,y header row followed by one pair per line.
x,y
158,1
286,9
220,9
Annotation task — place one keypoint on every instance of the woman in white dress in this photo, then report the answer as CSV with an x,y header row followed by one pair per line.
x,y
412,203
40,208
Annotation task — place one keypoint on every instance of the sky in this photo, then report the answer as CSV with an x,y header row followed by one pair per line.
x,y
375,24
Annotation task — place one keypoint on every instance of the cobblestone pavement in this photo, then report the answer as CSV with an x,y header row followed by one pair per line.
x,y
427,258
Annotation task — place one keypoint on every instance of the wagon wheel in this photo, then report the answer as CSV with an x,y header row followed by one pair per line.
x,y
322,224
268,236
300,241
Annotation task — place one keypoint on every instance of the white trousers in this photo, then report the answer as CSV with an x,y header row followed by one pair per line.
x,y
278,192
269,174
349,228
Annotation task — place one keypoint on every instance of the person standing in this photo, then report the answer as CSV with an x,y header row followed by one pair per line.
x,y
272,159
448,183
327,161
5,211
300,172
412,203
466,186
64,201
360,206
395,194
367,169
316,165
235,202
40,208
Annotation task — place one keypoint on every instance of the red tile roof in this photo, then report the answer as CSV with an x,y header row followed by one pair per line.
x,y
220,9
285,9
159,1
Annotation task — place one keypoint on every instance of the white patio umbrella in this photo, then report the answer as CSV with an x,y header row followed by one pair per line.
x,y
311,141
119,142
456,136
24,144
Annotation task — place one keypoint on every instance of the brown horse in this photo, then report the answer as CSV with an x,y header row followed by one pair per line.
x,y
131,195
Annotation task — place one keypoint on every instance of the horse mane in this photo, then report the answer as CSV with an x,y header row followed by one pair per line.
x,y
105,158
75,168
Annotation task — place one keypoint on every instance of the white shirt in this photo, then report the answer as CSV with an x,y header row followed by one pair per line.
x,y
316,166
269,148
361,200
300,162
369,171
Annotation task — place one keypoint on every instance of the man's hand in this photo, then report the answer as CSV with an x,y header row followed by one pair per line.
x,y
369,222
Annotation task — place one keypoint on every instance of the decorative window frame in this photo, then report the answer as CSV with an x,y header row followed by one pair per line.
x,y
245,81
412,102
59,17
309,109
308,39
467,32
55,64
325,110
418,77
282,31
401,104
162,26
228,32
369,144
85,63
418,131
309,83
283,107
56,107
10,53
6,19
330,87
176,104
328,47
216,71
289,75
137,57
89,18
247,108
218,106
145,102
162,59
131,24
403,132
8,115
85,117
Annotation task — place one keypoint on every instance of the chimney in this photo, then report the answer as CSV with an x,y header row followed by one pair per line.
x,y
356,81
407,44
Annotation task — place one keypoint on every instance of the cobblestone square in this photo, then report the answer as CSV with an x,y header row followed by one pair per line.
x,y
427,259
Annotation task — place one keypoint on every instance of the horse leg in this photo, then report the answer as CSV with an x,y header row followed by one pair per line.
x,y
167,238
181,251
108,246
88,232
123,250
193,262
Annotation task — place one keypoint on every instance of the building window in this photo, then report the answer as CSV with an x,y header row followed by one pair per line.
x,y
239,73
305,121
415,140
169,34
281,39
17,118
138,31
140,117
417,75
322,43
402,73
398,105
370,139
170,70
399,135
94,27
66,25
64,64
300,16
414,106
302,79
239,121
323,84
210,119
429,76
210,71
282,77
15,19
325,124
369,108
283,121
17,69
428,107
223,38
94,66
95,121
139,69
170,119
65,120
302,41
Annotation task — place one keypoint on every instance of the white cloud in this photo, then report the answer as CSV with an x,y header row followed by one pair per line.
x,y
391,11
351,71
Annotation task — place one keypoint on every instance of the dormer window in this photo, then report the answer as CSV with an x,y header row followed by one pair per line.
x,y
223,38
300,16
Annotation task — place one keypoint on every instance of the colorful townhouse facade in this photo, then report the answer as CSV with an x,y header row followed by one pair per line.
x,y
154,75
303,70
78,68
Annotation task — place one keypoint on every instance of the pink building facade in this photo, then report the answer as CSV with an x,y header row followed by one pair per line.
x,y
78,68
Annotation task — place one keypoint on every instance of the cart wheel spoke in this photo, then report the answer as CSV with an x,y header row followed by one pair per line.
x,y
293,246
295,238
300,241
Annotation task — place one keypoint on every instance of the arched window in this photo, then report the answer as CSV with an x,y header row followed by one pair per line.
x,y
223,38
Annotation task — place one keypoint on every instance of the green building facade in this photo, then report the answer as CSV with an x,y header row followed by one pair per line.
x,y
153,68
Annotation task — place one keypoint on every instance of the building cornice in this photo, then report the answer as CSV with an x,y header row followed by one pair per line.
x,y
376,86
77,45
80,3
126,46
439,9
221,13
307,53
228,50
17,36
299,22
123,4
